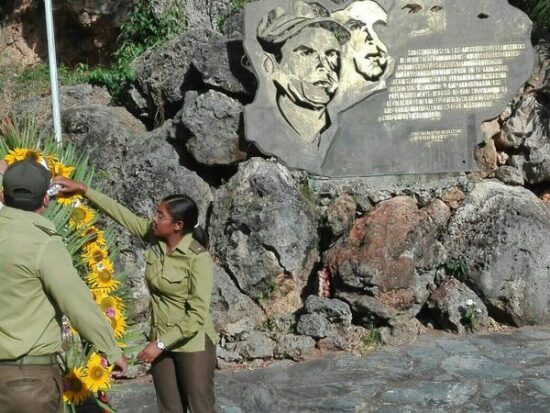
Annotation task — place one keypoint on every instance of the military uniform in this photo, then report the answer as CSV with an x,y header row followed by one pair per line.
x,y
37,283
180,285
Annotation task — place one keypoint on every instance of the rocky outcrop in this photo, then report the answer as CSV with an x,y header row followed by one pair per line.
x,y
521,134
213,122
383,266
499,244
198,59
264,233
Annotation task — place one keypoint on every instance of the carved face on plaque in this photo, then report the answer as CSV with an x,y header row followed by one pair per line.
x,y
309,67
302,45
320,60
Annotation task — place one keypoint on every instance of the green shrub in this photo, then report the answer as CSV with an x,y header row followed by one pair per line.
x,y
142,30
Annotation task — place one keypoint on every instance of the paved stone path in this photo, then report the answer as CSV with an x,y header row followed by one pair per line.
x,y
496,373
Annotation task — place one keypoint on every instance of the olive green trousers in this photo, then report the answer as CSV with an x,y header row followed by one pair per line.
x,y
184,382
30,388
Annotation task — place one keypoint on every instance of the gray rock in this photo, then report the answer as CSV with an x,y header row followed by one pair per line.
x,y
227,355
401,331
231,308
264,232
510,175
525,127
220,64
501,236
162,72
280,325
333,343
294,347
335,311
340,214
457,307
256,346
204,13
315,325
232,22
213,121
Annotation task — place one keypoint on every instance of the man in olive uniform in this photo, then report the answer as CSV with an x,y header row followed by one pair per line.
x,y
38,283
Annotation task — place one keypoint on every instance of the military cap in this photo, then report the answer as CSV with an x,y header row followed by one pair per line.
x,y
288,19
25,184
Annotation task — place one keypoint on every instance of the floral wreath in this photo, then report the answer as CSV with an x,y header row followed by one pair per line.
x,y
86,374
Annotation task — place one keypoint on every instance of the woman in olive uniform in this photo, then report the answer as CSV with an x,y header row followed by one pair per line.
x,y
179,274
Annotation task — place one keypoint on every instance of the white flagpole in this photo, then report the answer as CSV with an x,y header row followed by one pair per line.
x,y
53,71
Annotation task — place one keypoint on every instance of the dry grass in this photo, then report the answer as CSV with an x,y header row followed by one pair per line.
x,y
18,82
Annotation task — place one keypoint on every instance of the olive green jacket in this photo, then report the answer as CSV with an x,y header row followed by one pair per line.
x,y
180,283
38,283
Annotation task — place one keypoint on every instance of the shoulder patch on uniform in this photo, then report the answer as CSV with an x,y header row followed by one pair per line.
x,y
196,247
47,230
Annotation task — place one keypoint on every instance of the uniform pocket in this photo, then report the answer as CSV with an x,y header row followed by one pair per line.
x,y
174,275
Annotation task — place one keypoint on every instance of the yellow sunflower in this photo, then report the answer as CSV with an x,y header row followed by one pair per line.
x,y
68,200
75,390
81,216
98,373
59,169
103,279
96,235
110,305
97,257
19,154
118,324
51,160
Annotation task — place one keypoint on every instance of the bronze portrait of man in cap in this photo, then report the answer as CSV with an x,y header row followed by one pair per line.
x,y
312,62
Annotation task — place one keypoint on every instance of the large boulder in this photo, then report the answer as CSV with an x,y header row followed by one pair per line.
x,y
161,73
233,312
212,120
197,59
264,233
500,240
220,63
384,265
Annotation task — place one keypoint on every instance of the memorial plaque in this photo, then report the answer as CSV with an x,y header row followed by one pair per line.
x,y
381,87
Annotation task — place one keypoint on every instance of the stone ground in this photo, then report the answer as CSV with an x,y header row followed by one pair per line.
x,y
498,373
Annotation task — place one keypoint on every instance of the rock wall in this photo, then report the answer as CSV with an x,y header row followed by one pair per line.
x,y
306,264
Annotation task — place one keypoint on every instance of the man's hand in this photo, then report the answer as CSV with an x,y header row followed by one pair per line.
x,y
149,353
121,368
70,187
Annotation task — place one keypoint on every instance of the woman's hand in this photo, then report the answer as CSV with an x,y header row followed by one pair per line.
x,y
70,187
149,353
